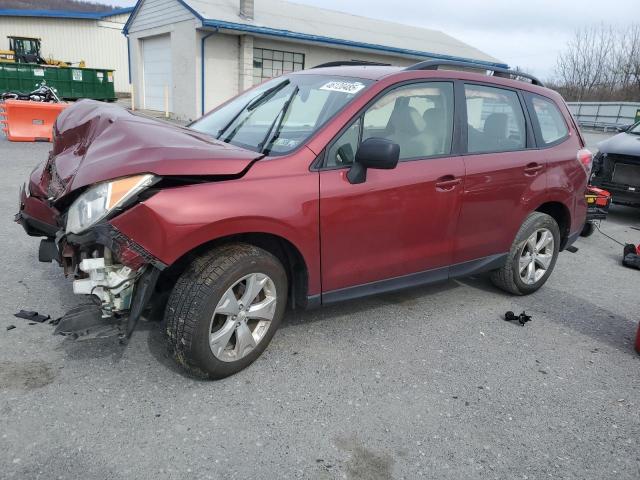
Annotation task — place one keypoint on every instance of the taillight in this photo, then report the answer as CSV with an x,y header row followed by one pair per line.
x,y
585,157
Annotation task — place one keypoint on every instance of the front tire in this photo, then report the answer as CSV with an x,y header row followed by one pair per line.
x,y
532,256
224,309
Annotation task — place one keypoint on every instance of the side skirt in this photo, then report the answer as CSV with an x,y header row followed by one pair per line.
x,y
427,277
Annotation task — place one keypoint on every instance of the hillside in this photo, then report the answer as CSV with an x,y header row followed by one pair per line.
x,y
71,5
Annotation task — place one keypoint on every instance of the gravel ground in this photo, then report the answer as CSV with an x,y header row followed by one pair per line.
x,y
425,383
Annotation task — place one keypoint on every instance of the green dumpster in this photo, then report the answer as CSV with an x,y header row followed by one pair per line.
x,y
71,83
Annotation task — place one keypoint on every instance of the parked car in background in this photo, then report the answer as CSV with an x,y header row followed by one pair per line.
x,y
312,188
616,166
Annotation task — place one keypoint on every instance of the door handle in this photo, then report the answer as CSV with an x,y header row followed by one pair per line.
x,y
447,183
533,168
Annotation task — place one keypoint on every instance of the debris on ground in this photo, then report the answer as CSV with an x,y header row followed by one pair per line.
x,y
32,316
523,318
631,256
11,327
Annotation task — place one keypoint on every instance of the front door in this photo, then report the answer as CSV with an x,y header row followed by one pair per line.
x,y
396,228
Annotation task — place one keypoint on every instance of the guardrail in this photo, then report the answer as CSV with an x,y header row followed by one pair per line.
x,y
605,115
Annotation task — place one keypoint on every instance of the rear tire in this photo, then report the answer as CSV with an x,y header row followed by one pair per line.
x,y
588,229
530,260
210,331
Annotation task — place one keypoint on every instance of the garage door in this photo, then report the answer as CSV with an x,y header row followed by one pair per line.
x,y
156,59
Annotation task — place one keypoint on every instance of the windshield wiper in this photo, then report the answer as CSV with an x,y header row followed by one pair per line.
x,y
265,146
266,95
253,104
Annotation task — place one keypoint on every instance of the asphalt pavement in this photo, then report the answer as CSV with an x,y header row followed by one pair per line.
x,y
426,383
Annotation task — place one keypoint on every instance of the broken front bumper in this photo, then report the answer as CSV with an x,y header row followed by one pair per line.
x,y
117,273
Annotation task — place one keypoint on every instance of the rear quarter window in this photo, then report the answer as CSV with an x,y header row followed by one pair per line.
x,y
553,127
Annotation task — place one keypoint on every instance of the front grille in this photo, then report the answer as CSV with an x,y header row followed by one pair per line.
x,y
626,174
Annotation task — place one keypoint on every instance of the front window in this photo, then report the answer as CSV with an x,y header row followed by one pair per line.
x,y
279,115
418,117
635,129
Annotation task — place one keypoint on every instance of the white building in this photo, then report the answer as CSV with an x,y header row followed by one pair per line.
x,y
95,38
190,55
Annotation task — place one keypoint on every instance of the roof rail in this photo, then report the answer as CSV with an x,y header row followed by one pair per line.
x,y
343,63
496,71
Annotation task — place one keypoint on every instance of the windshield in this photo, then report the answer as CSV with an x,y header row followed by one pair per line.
x,y
281,114
635,129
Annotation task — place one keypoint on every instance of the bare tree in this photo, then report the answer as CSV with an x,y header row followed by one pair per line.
x,y
600,63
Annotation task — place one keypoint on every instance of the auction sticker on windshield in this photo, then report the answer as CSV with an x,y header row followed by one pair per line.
x,y
344,87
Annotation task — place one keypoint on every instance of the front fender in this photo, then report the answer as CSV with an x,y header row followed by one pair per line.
x,y
175,221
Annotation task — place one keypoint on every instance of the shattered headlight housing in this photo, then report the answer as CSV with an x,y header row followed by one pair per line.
x,y
100,200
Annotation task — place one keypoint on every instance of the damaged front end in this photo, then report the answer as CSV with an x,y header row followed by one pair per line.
x,y
105,160
117,274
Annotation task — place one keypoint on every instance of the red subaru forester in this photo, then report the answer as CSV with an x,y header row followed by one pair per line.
x,y
315,187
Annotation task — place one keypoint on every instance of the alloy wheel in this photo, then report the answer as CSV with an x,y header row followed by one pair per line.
x,y
242,317
536,256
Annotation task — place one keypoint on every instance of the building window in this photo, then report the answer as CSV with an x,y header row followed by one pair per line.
x,y
271,63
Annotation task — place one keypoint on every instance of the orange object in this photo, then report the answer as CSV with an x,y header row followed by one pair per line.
x,y
24,121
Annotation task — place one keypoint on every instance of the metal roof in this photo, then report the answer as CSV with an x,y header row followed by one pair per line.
x,y
279,18
15,12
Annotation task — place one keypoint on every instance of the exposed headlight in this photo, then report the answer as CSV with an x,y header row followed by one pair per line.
x,y
100,200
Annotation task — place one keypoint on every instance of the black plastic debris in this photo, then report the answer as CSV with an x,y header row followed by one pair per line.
x,y
523,318
11,327
32,316
630,257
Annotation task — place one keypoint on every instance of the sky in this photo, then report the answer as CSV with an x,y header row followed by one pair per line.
x,y
529,34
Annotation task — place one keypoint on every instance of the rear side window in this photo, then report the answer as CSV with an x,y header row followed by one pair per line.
x,y
550,119
495,120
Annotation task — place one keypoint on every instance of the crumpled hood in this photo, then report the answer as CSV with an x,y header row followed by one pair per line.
x,y
621,144
94,142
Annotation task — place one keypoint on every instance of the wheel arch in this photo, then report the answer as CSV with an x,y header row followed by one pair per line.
x,y
562,215
284,250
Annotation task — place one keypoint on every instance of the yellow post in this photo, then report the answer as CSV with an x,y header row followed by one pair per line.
x,y
166,101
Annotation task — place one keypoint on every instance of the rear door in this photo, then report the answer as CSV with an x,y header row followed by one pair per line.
x,y
504,171
398,225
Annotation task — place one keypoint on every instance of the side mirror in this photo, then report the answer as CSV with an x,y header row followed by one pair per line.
x,y
374,152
